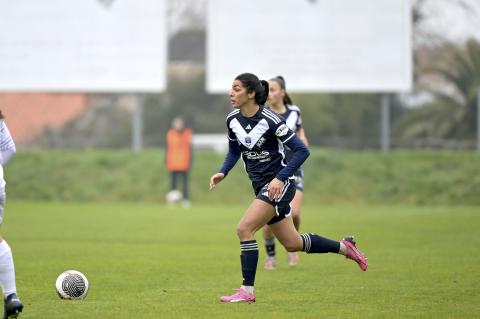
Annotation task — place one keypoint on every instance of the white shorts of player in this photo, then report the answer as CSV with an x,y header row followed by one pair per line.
x,y
2,204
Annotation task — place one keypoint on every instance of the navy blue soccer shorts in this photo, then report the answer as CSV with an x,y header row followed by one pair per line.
x,y
282,206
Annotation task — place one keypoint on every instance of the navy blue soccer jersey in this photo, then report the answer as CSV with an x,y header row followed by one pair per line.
x,y
260,139
292,117
293,120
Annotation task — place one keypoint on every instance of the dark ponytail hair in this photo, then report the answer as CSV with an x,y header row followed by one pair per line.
x,y
281,81
1,115
253,84
266,89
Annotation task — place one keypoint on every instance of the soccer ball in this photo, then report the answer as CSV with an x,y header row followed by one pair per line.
x,y
72,285
174,196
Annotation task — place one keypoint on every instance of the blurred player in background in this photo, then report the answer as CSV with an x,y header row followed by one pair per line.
x,y
280,102
13,305
258,135
179,158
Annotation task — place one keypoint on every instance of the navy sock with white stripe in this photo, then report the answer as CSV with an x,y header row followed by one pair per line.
x,y
314,244
249,260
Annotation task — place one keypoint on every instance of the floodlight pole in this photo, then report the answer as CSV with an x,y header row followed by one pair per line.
x,y
385,116
137,122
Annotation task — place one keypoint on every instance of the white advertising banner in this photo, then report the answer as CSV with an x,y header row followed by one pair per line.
x,y
83,45
316,45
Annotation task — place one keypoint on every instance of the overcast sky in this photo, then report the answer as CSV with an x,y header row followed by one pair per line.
x,y
454,22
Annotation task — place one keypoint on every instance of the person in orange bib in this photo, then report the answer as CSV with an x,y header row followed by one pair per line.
x,y
179,157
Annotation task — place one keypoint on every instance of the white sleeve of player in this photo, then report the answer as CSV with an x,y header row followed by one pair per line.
x,y
7,146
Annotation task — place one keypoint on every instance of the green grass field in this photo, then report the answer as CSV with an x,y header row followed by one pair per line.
x,y
156,262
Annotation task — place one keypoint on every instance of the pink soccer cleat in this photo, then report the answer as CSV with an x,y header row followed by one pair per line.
x,y
293,259
240,296
270,263
354,254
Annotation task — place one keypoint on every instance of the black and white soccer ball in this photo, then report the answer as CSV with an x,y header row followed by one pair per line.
x,y
72,285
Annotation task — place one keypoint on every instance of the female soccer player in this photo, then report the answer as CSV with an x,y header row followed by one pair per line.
x,y
280,102
258,135
7,271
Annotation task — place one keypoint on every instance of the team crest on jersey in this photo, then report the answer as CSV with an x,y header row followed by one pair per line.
x,y
282,130
253,136
261,141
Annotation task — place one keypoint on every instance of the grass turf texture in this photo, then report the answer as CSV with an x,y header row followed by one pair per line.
x,y
149,261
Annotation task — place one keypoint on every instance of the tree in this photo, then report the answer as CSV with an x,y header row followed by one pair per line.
x,y
425,10
461,69
452,113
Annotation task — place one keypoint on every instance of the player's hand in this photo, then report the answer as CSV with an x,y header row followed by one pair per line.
x,y
275,189
215,179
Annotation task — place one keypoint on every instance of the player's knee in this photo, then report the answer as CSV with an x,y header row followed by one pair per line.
x,y
244,232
